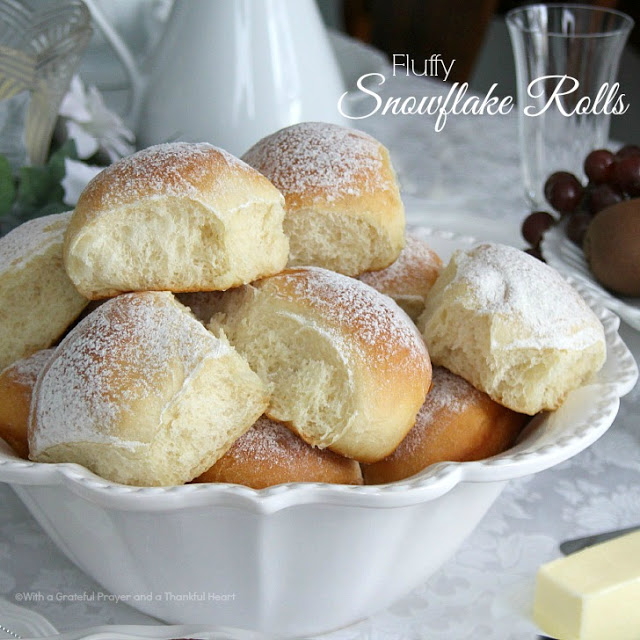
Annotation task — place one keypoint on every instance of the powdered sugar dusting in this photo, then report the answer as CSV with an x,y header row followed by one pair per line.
x,y
320,160
170,169
270,443
504,280
371,317
32,238
417,263
449,393
26,370
130,349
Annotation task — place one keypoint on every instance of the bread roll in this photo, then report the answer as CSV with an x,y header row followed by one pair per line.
x,y
37,299
409,279
457,423
344,210
141,393
345,366
16,387
177,217
512,327
270,454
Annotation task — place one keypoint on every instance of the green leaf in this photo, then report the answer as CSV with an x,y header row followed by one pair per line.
x,y
57,158
41,186
54,207
36,187
7,186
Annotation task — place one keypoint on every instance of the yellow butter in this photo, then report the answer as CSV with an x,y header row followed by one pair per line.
x,y
593,594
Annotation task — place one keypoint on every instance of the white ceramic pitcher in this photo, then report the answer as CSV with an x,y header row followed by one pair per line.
x,y
232,71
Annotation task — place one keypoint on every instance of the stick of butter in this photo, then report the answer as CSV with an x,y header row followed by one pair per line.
x,y
593,594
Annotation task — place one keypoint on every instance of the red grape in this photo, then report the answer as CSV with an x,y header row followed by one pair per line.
x,y
602,196
628,150
613,178
535,225
625,174
597,165
563,191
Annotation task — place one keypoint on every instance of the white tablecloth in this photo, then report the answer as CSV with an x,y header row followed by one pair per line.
x,y
466,176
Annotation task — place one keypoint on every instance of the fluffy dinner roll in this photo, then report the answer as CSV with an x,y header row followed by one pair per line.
x,y
175,217
141,393
269,454
409,279
345,366
16,387
344,210
511,326
37,299
457,423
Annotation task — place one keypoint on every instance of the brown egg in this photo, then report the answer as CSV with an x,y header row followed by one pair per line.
x,y
612,247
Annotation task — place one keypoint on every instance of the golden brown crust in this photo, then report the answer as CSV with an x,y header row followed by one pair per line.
x,y
338,173
175,217
16,387
117,359
38,301
318,163
376,326
199,171
379,366
385,348
456,423
121,394
410,278
270,454
413,273
513,327
381,203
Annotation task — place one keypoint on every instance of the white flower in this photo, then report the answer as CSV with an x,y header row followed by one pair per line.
x,y
76,176
92,126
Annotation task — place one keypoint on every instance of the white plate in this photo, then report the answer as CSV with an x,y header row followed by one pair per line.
x,y
564,256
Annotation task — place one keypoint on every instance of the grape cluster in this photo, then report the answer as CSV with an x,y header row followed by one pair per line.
x,y
613,177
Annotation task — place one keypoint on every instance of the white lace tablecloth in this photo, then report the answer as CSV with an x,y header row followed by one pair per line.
x,y
466,176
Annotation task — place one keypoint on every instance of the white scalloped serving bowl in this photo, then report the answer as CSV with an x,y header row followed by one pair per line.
x,y
298,559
